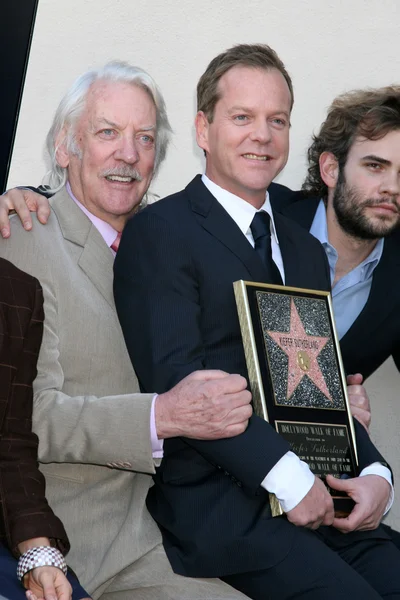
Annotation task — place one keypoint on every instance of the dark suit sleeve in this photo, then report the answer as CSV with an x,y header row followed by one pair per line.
x,y
157,295
26,513
367,452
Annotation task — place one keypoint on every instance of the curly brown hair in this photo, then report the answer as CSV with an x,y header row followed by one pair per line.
x,y
370,114
258,56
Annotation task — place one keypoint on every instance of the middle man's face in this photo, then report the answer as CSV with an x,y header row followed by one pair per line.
x,y
247,144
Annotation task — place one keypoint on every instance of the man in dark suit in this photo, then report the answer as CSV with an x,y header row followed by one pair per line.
x,y
351,203
26,520
173,289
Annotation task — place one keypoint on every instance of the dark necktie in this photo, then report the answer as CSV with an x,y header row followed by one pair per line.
x,y
261,230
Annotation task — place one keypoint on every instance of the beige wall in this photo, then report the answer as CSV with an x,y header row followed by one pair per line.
x,y
383,389
329,46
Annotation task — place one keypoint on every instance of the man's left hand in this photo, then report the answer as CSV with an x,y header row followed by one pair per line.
x,y
371,494
359,401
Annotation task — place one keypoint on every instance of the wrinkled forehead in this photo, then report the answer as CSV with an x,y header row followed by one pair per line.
x,y
119,101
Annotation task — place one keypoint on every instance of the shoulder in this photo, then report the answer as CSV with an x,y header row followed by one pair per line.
x,y
171,210
21,241
295,231
62,209
37,251
170,205
280,195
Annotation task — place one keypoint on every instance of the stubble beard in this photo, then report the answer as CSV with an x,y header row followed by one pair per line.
x,y
349,208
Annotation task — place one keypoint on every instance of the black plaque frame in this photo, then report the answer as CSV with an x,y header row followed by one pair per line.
x,y
304,426
17,23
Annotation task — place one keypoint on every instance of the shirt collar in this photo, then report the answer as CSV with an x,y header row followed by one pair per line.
x,y
107,232
238,209
319,229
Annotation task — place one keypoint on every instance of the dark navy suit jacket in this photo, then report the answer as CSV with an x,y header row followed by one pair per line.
x,y
173,290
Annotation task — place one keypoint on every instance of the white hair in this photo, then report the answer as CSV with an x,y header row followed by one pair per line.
x,y
73,104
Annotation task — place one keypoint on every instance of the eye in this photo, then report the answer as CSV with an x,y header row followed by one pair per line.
x,y
374,166
107,133
147,139
279,122
241,118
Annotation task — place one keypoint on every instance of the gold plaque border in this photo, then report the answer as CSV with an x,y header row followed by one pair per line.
x,y
251,355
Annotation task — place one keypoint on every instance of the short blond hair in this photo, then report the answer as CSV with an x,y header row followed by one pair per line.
x,y
257,56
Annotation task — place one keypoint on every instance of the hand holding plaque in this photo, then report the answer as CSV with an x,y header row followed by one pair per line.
x,y
297,379
315,509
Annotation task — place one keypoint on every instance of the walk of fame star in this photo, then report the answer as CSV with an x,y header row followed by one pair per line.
x,y
302,351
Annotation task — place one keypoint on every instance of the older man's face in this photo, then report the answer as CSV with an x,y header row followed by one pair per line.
x,y
115,151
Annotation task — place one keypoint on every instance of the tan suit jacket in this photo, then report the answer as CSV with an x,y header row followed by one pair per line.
x,y
90,445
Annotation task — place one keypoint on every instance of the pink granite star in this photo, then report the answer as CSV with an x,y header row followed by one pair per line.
x,y
302,351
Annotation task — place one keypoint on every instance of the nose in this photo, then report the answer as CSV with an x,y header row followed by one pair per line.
x,y
391,183
127,150
261,131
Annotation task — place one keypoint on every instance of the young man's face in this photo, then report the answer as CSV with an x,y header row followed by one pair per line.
x,y
366,199
247,143
113,163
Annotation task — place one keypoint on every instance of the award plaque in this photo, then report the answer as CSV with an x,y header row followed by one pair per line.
x,y
297,378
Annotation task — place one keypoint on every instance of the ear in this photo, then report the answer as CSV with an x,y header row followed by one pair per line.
x,y
62,154
329,169
202,125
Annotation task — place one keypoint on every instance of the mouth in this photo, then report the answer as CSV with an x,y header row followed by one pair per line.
x,y
386,207
260,157
120,178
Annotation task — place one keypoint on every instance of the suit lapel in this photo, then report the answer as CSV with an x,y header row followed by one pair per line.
x,y
96,259
383,297
214,219
292,258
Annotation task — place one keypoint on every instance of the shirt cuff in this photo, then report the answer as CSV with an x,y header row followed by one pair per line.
x,y
290,480
157,446
378,468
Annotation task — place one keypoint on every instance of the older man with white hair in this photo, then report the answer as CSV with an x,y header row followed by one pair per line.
x,y
99,438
